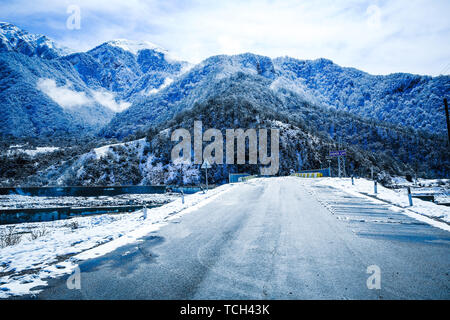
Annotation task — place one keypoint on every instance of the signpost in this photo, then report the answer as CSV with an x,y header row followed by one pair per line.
x,y
206,166
340,154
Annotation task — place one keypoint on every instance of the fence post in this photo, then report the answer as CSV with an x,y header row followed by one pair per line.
x,y
410,197
182,196
353,182
145,211
375,187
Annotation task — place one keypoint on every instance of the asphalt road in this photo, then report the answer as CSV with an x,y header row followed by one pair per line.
x,y
274,239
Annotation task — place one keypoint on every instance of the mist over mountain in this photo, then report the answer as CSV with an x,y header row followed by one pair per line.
x,y
45,98
47,91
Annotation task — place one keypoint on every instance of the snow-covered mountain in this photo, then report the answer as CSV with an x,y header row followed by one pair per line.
x,y
128,68
122,87
15,39
196,85
130,90
46,98
400,99
405,99
45,91
304,143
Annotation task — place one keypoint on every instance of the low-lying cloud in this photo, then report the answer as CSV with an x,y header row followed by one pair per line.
x,y
68,98
107,99
63,95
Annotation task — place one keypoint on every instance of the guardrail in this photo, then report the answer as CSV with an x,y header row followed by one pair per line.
x,y
308,175
245,179
81,191
9,216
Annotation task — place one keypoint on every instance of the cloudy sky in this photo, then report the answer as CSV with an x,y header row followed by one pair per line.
x,y
376,36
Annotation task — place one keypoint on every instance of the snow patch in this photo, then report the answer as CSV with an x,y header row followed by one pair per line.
x,y
135,46
103,151
32,152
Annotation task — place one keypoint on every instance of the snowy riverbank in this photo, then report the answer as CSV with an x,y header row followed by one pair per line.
x,y
50,249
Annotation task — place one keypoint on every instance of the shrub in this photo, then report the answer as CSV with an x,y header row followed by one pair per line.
x,y
8,237
37,233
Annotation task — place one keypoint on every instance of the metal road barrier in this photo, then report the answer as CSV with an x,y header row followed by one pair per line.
x,y
308,175
246,178
234,177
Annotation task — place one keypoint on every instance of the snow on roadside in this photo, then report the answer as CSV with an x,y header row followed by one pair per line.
x,y
27,264
420,208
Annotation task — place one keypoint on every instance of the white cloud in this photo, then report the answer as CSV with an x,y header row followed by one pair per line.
x,y
63,95
167,82
68,98
107,99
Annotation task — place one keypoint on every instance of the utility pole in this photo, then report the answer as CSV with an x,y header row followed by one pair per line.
x,y
339,159
448,121
339,167
341,162
343,167
329,167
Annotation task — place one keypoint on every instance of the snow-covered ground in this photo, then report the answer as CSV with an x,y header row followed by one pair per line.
x,y
64,242
104,150
402,181
20,201
32,152
397,197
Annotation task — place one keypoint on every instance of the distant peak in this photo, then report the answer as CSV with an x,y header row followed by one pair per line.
x,y
4,24
135,46
13,38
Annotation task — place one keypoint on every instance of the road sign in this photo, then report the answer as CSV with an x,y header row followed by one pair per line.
x,y
338,153
206,165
